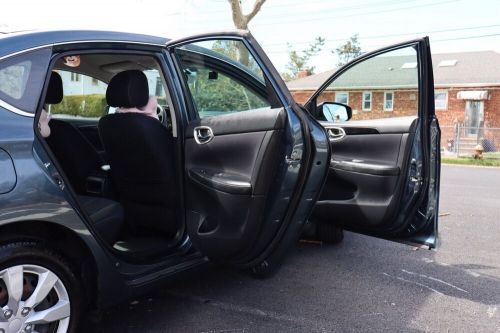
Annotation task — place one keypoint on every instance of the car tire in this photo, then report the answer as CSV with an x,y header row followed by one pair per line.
x,y
328,233
36,265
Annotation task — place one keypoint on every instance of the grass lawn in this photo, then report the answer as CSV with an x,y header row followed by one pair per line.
x,y
470,161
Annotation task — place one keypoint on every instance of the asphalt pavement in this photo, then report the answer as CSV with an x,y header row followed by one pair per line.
x,y
362,285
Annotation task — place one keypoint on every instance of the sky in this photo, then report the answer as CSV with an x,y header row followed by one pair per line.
x,y
452,25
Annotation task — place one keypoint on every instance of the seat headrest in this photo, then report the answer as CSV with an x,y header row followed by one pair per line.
x,y
128,89
54,90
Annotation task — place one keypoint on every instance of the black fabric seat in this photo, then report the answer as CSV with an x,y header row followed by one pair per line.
x,y
79,159
76,155
140,151
106,215
74,152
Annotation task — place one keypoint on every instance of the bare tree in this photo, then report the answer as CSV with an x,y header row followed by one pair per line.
x,y
241,21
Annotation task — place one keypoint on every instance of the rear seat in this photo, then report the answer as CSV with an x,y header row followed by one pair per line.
x,y
78,159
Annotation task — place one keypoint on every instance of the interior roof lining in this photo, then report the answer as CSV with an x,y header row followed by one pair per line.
x,y
104,66
94,65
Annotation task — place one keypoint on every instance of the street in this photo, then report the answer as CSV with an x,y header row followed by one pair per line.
x,y
363,284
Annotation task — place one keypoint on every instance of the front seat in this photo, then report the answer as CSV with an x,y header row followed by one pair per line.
x,y
76,155
140,151
78,159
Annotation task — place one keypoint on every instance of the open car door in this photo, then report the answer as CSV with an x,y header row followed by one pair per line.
x,y
253,164
384,170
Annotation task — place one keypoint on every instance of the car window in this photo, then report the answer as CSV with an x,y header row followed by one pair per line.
x,y
384,86
22,77
83,96
156,86
223,77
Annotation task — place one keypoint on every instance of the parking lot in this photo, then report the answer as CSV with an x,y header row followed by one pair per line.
x,y
364,284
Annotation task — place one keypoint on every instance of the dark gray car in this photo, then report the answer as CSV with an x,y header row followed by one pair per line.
x,y
128,159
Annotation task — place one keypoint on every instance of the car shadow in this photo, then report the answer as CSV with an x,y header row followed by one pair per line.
x,y
362,284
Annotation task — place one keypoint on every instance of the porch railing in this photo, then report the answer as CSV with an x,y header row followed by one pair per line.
x,y
462,141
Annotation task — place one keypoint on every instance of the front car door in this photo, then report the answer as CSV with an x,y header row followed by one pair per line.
x,y
384,171
253,161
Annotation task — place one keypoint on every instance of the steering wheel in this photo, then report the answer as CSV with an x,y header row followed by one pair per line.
x,y
162,114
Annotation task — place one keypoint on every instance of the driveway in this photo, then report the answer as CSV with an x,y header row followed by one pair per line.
x,y
364,284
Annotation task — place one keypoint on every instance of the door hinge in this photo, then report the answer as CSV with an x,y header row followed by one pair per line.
x,y
416,174
58,180
294,158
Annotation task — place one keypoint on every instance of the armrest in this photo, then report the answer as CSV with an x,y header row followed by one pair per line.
x,y
98,183
365,167
222,181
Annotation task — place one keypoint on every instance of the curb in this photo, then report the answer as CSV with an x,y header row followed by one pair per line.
x,y
472,166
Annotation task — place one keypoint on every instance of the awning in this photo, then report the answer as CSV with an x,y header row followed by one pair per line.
x,y
474,95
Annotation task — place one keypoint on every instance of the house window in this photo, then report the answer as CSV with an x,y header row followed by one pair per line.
x,y
75,77
367,101
388,100
342,97
440,99
159,87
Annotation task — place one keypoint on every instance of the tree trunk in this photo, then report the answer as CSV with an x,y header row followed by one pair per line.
x,y
240,21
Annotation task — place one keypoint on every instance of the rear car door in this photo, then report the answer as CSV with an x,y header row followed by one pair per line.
x,y
384,170
253,164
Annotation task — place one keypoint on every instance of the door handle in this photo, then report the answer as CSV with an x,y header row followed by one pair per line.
x,y
336,133
203,134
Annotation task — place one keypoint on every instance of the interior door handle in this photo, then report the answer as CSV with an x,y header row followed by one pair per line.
x,y
336,133
203,134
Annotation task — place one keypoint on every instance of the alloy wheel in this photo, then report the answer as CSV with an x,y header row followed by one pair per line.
x,y
33,299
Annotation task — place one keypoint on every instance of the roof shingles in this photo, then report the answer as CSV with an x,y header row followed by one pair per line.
x,y
472,69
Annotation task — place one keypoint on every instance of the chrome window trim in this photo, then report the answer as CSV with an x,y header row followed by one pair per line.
x,y
15,110
18,111
76,42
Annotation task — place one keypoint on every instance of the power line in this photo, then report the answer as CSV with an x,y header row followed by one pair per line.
x,y
470,37
358,6
391,35
345,8
316,19
432,42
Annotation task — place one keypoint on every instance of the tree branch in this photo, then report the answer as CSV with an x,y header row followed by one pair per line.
x,y
237,14
256,7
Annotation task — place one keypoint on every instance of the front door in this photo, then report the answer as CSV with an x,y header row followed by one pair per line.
x,y
474,117
384,170
250,158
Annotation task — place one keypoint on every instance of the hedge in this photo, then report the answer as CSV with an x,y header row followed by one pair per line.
x,y
81,105
87,106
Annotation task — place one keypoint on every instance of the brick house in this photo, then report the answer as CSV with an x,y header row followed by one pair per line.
x,y
467,91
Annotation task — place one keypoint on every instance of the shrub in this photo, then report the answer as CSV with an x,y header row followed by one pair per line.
x,y
81,105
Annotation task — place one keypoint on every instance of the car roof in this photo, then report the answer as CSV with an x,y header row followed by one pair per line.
x,y
20,41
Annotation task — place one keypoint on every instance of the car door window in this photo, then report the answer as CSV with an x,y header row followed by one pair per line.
x,y
385,86
223,77
84,96
22,77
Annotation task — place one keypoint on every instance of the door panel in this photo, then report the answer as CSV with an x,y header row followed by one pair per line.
x,y
383,169
363,186
88,128
228,178
254,163
91,132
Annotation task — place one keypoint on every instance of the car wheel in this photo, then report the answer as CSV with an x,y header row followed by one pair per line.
x,y
328,233
38,290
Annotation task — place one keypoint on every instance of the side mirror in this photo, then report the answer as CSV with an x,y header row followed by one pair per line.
x,y
334,112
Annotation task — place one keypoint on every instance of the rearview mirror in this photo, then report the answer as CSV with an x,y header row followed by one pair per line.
x,y
335,112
